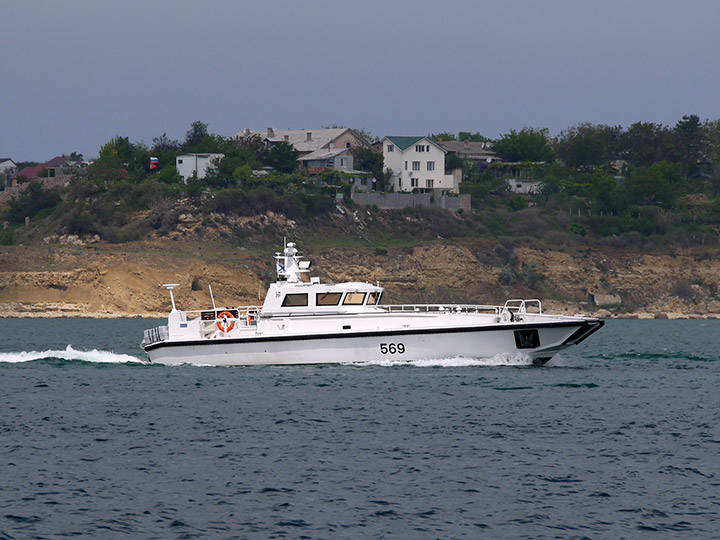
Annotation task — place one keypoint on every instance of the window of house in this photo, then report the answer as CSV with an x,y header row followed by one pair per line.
x,y
419,147
431,165
347,145
295,300
390,148
342,161
179,161
414,182
416,166
373,298
429,183
406,165
354,299
328,299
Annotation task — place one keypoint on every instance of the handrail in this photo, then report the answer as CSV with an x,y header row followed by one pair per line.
x,y
447,308
516,305
522,305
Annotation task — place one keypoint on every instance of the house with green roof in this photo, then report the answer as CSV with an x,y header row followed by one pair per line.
x,y
418,164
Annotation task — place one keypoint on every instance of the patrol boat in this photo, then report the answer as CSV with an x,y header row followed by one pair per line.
x,y
304,321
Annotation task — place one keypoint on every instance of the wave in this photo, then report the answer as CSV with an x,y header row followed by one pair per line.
x,y
663,355
505,359
102,357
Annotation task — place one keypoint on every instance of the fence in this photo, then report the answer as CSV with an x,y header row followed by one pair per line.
x,y
390,201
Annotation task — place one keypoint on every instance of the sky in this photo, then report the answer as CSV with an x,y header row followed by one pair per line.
x,y
76,73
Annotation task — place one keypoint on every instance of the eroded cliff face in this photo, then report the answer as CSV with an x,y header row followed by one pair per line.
x,y
113,281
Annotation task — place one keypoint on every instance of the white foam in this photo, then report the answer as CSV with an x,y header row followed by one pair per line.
x,y
505,359
69,354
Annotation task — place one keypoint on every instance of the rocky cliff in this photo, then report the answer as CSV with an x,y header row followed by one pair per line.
x,y
124,280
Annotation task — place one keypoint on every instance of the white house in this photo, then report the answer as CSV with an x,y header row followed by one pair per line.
x,y
7,166
524,187
188,165
418,163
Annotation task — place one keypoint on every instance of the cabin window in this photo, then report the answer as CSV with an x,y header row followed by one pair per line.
x,y
373,298
354,299
328,299
295,300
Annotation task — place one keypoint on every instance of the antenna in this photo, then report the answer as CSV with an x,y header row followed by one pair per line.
x,y
170,287
211,296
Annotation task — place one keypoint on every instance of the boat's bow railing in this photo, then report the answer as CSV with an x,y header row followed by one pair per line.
x,y
446,308
520,306
512,310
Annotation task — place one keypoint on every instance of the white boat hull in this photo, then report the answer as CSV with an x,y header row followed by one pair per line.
x,y
538,341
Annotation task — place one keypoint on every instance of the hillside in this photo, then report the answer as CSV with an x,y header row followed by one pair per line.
x,y
101,280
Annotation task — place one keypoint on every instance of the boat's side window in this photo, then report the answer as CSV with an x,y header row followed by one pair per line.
x,y
354,299
373,298
295,300
328,298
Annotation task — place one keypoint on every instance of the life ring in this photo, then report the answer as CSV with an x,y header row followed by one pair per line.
x,y
222,323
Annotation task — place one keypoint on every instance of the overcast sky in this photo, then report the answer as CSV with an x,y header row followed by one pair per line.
x,y
76,73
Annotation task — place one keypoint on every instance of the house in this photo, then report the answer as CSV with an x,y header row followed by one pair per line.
x,y
7,165
524,187
60,167
479,153
307,141
418,163
197,165
339,159
7,168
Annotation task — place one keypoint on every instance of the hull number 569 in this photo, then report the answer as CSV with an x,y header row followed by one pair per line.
x,y
392,348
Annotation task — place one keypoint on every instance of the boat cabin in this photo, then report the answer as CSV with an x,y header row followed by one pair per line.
x,y
295,292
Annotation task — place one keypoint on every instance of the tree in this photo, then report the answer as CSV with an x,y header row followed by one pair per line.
x,y
163,143
645,143
475,137
283,157
367,159
657,184
605,195
525,145
690,134
195,134
588,145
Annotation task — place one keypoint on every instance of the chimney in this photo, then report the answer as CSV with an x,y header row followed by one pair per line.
x,y
270,133
287,138
309,136
467,145
247,132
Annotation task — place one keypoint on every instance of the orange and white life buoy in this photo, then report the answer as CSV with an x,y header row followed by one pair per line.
x,y
226,321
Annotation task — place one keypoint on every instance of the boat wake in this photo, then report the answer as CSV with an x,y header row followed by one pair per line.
x,y
101,357
505,359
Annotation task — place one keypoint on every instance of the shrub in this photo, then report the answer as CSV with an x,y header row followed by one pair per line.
x,y
7,237
31,201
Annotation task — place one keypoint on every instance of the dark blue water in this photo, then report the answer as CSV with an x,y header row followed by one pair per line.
x,y
618,438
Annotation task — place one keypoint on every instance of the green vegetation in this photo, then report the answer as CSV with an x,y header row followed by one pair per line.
x,y
647,184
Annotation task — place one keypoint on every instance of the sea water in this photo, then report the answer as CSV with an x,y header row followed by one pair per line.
x,y
616,438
